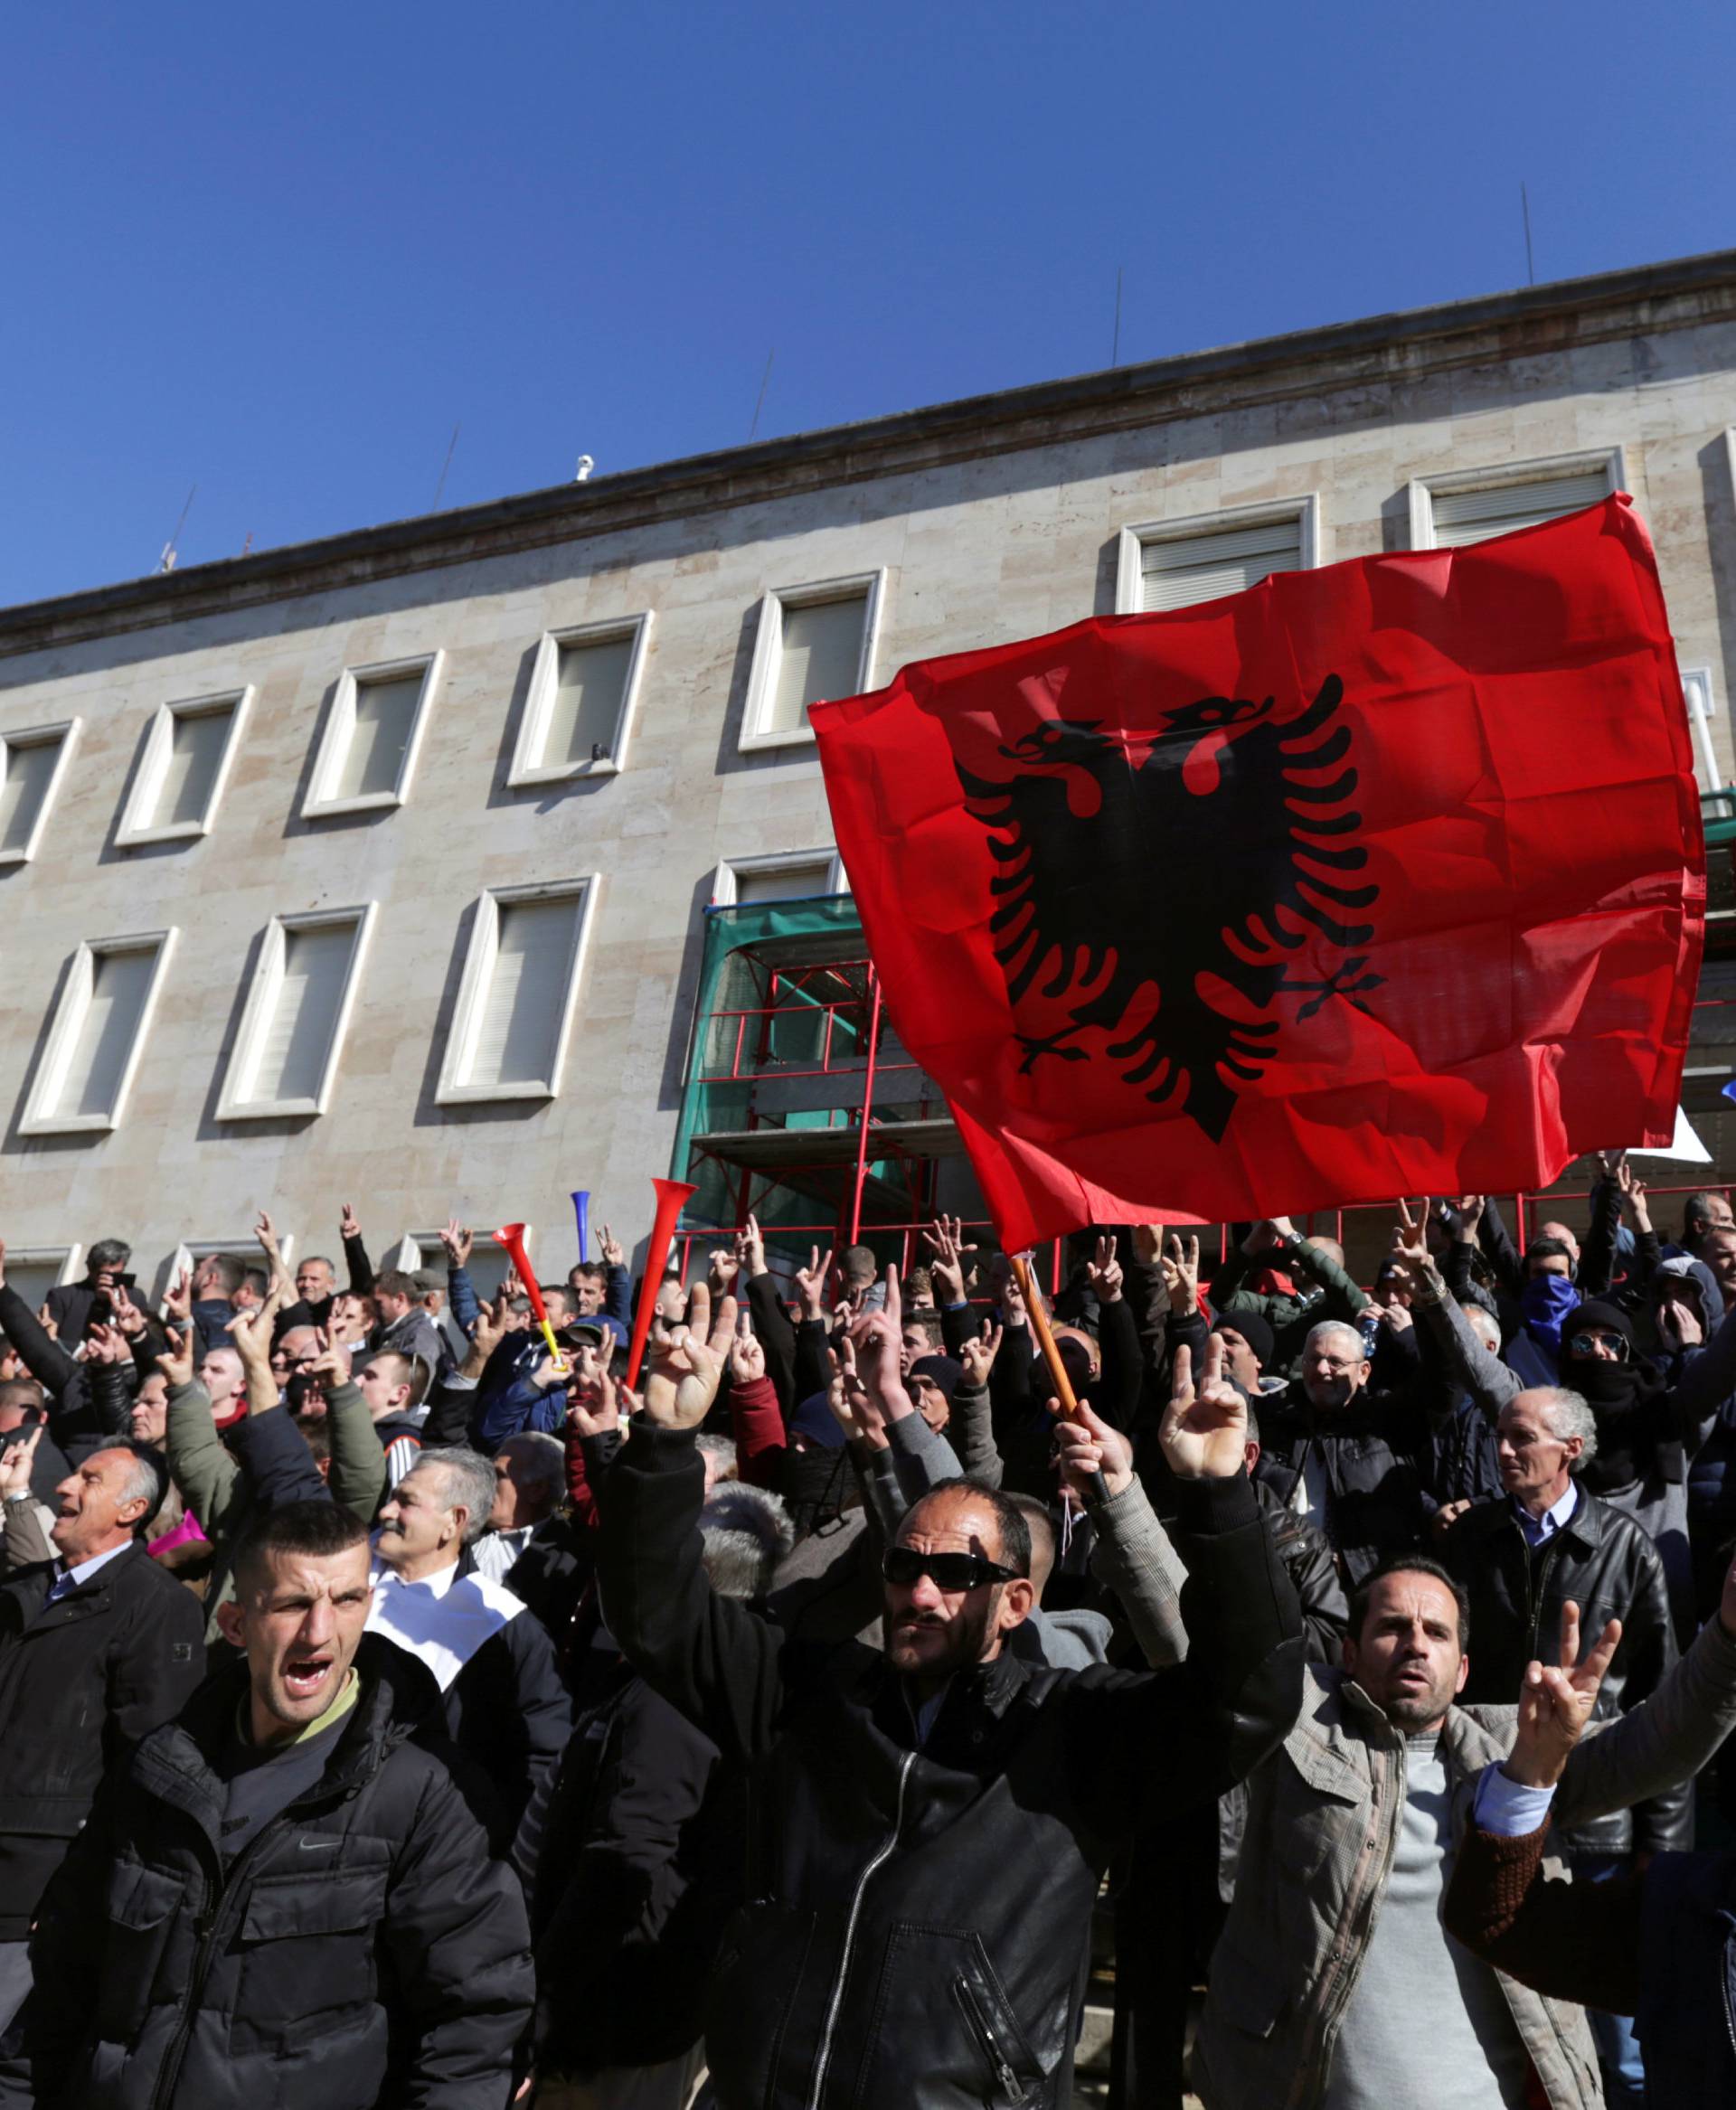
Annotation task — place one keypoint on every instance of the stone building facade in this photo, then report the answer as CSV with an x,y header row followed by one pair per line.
x,y
381,772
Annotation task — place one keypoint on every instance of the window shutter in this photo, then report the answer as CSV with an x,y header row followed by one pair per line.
x,y
23,790
297,1036
820,656
789,882
1472,516
374,756
107,1032
1176,573
526,993
196,744
591,681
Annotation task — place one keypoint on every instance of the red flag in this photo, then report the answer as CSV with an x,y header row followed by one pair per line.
x,y
1376,879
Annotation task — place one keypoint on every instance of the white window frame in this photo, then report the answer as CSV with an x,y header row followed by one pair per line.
x,y
723,879
414,1249
261,1000
62,1035
159,741
1419,491
539,704
339,730
38,736
1129,566
181,1261
67,1258
769,643
1701,700
479,965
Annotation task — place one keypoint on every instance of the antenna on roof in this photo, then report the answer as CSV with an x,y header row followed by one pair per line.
x,y
439,488
1524,206
165,562
1114,347
764,379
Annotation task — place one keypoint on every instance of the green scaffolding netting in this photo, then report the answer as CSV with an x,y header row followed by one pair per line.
x,y
774,973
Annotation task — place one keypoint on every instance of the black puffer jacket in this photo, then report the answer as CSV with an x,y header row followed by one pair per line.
x,y
916,1929
363,1948
80,1682
1605,1565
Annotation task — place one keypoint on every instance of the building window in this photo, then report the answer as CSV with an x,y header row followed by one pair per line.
x,y
583,689
487,1265
285,1060
1471,504
188,750
367,753
1698,695
521,985
788,875
31,765
1175,564
33,1270
246,1249
812,642
97,1034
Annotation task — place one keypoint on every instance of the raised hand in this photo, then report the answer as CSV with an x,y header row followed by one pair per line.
x,y
1678,1325
106,1345
1556,1702
268,1242
751,1247
747,1355
593,1399
1085,1446
127,1316
1147,1243
1104,1273
811,1281
977,1356
614,1254
333,1361
1205,1429
1181,1264
176,1361
16,1462
856,1405
946,1243
725,1265
348,1225
1470,1209
1411,1235
686,1361
177,1299
489,1331
457,1239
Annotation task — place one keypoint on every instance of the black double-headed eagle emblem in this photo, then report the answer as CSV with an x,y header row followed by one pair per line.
x,y
1164,903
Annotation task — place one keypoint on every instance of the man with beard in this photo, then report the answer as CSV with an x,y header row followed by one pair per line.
x,y
1335,1986
944,1809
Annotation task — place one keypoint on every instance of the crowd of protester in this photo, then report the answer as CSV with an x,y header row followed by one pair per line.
x,y
394,1712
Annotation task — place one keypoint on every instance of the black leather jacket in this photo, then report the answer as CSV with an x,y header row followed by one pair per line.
x,y
1605,1565
919,1907
1374,1501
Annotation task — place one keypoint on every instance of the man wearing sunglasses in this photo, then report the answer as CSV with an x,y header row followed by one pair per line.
x,y
932,1820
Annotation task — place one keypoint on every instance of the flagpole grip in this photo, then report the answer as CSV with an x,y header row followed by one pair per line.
x,y
1052,1356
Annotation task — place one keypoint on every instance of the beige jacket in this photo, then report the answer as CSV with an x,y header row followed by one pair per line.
x,y
1323,1826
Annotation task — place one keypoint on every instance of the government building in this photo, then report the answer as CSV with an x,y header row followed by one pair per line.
x,y
454,865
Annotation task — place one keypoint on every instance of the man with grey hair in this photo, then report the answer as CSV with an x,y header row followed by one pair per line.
x,y
1548,1542
98,1647
530,1479
504,1703
1344,1454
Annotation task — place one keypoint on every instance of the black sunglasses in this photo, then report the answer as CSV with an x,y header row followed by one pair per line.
x,y
947,1571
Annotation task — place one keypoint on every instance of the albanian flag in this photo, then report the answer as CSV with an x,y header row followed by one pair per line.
x,y
1380,878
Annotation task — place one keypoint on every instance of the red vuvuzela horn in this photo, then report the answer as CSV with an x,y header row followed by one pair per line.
x,y
510,1238
673,1196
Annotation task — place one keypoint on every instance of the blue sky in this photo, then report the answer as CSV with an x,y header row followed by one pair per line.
x,y
280,252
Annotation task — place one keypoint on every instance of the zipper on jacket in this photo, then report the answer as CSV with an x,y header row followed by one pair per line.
x,y
882,1855
984,2031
